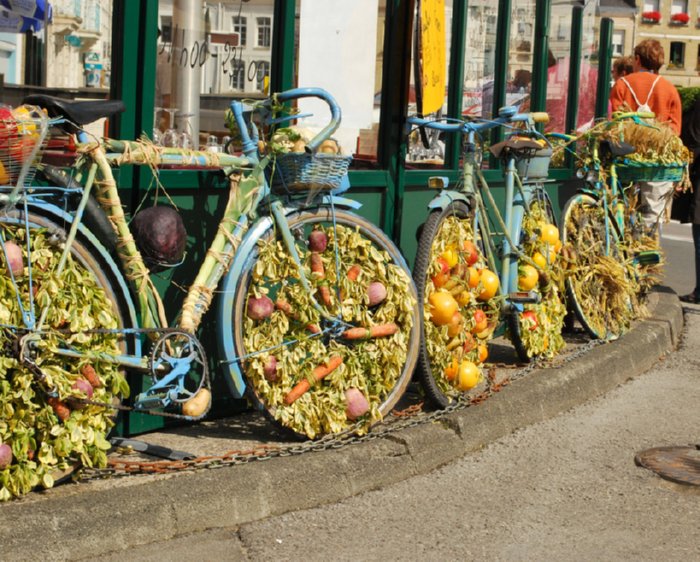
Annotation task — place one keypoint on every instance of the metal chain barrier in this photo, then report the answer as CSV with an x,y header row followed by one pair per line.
x,y
412,416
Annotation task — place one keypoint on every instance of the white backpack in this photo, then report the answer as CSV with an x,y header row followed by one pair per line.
x,y
642,107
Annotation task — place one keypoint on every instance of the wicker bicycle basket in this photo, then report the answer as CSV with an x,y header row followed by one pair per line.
x,y
22,141
631,171
297,172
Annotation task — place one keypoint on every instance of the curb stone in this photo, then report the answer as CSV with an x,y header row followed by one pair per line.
x,y
85,521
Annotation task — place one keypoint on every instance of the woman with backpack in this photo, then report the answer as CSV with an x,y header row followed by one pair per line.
x,y
645,90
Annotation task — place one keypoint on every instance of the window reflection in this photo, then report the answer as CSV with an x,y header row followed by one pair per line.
x,y
480,58
522,44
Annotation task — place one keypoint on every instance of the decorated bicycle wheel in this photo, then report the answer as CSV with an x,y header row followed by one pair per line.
x,y
456,290
45,429
599,284
536,330
343,367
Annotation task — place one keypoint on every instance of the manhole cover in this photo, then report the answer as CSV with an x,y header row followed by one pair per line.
x,y
678,464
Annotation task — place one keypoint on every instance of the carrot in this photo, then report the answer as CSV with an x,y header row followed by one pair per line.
x,y
318,373
354,272
88,371
59,407
285,307
378,331
319,272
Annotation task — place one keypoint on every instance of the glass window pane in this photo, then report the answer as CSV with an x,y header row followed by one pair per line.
x,y
427,149
480,59
522,35
588,77
208,53
331,57
558,60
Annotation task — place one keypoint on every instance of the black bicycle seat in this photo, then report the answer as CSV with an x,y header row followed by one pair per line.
x,y
616,148
80,112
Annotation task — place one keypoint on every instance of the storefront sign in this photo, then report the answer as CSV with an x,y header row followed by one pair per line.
x,y
432,53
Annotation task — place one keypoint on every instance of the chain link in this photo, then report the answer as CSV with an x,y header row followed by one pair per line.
x,y
411,416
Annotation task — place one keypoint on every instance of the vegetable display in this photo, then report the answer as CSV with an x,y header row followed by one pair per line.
x,y
541,325
460,312
44,434
327,384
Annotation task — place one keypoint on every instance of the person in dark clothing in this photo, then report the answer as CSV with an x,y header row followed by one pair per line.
x,y
690,135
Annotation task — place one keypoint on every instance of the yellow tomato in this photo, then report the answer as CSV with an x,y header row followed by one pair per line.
x,y
468,376
4,176
557,246
442,307
483,352
549,234
489,282
450,256
463,298
540,260
527,277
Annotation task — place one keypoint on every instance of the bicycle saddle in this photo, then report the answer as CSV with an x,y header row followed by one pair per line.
x,y
516,144
79,112
616,148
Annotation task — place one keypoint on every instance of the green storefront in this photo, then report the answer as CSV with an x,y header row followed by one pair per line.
x,y
192,56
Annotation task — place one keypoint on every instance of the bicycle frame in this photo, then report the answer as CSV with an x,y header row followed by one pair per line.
x,y
517,200
249,189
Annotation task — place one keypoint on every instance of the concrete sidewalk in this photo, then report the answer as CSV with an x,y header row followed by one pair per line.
x,y
89,518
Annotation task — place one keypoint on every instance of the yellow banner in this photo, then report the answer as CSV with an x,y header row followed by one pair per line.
x,y
432,53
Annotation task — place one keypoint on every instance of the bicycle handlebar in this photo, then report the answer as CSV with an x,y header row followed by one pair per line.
x,y
249,136
506,115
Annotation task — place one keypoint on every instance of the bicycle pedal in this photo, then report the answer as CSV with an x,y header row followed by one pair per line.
x,y
522,297
648,257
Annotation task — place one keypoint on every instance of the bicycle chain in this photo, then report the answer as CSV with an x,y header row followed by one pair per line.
x,y
412,416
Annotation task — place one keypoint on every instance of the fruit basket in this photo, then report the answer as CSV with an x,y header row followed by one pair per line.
x,y
535,165
300,171
22,140
631,171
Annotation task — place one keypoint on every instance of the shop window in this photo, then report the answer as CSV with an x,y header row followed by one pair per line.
x,y
339,47
480,60
205,59
676,57
240,26
264,32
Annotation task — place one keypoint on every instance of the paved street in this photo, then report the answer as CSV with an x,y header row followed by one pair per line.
x,y
564,489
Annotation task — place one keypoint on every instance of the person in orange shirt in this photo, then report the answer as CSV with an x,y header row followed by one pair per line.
x,y
645,90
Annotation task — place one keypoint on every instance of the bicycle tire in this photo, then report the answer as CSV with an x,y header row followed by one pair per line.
x,y
536,331
86,296
602,305
381,368
451,226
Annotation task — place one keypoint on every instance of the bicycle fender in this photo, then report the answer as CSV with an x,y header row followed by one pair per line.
x,y
230,364
344,202
445,198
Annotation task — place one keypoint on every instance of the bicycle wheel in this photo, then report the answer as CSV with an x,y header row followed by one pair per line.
x,y
642,246
355,377
536,330
50,431
455,295
598,283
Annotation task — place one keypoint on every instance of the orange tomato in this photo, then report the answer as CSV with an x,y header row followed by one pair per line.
x,y
442,307
557,246
549,234
468,376
474,277
451,370
471,252
527,277
489,282
439,279
481,322
483,352
530,319
455,324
